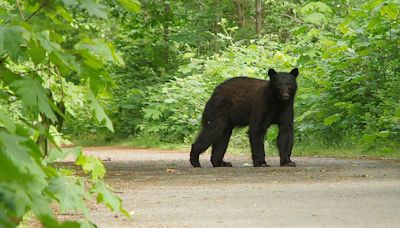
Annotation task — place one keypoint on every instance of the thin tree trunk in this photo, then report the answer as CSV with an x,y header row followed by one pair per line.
x,y
240,14
213,45
167,19
258,17
217,18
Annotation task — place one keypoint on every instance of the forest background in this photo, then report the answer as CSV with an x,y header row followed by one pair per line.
x,y
138,73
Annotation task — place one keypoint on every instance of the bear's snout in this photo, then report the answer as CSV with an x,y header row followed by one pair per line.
x,y
285,94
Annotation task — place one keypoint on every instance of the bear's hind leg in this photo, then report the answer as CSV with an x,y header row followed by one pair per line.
x,y
208,136
219,149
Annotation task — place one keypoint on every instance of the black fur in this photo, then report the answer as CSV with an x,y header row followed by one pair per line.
x,y
245,101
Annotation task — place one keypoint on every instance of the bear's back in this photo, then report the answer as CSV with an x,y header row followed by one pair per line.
x,y
241,89
234,99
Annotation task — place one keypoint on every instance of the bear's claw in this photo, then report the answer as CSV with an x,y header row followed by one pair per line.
x,y
222,164
288,164
195,164
261,164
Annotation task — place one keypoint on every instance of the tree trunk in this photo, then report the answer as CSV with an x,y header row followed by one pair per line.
x,y
217,17
258,17
240,13
167,20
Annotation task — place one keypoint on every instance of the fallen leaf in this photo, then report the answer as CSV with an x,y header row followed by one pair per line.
x,y
171,170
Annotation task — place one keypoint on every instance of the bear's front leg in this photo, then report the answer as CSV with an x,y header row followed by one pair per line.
x,y
285,144
256,136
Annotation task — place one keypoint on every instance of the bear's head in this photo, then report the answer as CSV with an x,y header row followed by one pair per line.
x,y
283,84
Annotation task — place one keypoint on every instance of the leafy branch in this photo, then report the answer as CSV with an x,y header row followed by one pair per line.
x,y
293,18
37,10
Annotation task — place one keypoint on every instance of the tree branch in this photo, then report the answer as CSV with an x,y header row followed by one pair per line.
x,y
34,13
294,18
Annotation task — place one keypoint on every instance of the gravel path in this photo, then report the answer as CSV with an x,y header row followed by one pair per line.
x,y
161,189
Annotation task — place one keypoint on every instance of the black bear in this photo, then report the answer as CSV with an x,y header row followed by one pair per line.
x,y
243,101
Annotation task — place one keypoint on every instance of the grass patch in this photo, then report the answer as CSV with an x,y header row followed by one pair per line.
x,y
346,152
151,142
239,144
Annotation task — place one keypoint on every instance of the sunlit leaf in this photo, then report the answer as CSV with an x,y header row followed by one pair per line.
x,y
69,192
57,154
315,18
369,138
328,121
316,7
110,200
390,10
100,115
91,165
132,5
102,49
6,122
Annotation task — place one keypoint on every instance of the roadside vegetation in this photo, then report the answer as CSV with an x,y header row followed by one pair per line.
x,y
347,52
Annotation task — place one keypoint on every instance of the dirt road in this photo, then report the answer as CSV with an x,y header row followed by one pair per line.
x,y
161,189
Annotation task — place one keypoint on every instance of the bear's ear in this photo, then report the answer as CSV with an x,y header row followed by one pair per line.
x,y
271,73
295,72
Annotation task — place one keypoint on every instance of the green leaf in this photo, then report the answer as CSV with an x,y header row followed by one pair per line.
x,y
328,121
102,49
383,134
91,60
44,39
69,192
316,7
132,5
99,112
57,55
34,96
152,114
87,224
70,2
57,154
315,18
36,52
188,55
390,10
7,76
66,15
94,8
91,165
11,39
7,123
369,138
23,157
272,133
109,199
184,69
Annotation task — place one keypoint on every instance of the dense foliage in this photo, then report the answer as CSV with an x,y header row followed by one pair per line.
x,y
51,64
347,51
